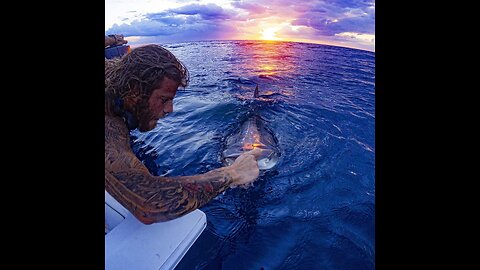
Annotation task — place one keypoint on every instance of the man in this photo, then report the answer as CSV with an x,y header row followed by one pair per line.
x,y
139,90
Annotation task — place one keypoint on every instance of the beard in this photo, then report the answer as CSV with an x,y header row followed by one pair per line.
x,y
145,118
145,122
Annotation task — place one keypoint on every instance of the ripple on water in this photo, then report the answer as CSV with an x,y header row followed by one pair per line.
x,y
316,210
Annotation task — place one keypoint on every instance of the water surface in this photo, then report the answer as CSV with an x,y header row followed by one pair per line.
x,y
316,209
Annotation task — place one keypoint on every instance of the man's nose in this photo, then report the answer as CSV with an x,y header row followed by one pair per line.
x,y
168,107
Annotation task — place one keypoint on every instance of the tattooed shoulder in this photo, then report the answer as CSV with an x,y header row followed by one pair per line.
x,y
118,153
116,131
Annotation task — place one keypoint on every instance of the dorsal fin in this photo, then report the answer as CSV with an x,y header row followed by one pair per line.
x,y
255,93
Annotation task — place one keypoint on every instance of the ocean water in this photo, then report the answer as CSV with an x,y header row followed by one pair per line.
x,y
316,208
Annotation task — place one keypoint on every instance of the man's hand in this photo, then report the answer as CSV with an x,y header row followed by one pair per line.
x,y
245,168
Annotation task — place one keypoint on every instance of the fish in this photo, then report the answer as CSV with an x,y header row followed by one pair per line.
x,y
253,133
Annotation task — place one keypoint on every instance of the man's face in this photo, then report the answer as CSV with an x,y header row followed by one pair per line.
x,y
159,104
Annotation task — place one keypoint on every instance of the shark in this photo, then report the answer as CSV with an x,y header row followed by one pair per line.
x,y
253,133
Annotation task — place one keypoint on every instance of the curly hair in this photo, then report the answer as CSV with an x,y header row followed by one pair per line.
x,y
143,69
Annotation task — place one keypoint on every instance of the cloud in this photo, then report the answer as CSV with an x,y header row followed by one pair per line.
x,y
142,28
193,20
362,37
250,7
335,20
166,18
329,18
329,26
187,23
207,12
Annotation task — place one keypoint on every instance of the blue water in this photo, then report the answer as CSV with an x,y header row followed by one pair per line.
x,y
316,209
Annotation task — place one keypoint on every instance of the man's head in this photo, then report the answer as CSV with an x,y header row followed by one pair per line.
x,y
145,82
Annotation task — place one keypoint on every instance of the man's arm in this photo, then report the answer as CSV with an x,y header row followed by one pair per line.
x,y
153,198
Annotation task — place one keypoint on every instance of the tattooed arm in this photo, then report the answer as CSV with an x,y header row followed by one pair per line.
x,y
153,198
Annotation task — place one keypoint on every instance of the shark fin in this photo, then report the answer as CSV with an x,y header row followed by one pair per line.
x,y
255,93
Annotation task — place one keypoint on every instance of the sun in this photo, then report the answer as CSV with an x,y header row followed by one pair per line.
x,y
269,34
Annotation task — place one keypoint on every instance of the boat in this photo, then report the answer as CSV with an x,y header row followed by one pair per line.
x,y
130,244
116,51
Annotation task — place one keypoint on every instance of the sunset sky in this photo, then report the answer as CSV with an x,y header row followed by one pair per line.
x,y
346,23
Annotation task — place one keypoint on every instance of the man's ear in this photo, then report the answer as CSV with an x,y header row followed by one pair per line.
x,y
135,91
132,98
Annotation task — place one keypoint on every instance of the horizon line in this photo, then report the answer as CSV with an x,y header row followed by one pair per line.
x,y
262,40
